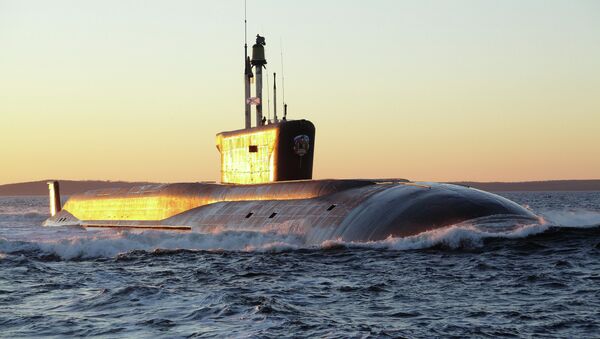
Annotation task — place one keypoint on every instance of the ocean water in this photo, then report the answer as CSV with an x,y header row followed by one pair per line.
x,y
467,280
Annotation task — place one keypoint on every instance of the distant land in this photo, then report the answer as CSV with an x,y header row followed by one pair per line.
x,y
68,187
551,185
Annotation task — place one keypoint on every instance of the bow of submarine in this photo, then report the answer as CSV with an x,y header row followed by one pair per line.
x,y
405,210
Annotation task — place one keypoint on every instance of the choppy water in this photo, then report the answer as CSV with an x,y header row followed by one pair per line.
x,y
467,280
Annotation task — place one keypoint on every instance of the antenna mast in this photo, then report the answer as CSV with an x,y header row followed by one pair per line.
x,y
283,81
268,97
247,74
259,62
275,120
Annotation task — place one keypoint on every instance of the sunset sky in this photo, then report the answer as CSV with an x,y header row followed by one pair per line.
x,y
424,90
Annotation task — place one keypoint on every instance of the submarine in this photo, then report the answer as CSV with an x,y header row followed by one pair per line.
x,y
267,185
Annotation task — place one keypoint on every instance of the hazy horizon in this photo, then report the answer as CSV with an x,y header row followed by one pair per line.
x,y
169,182
425,90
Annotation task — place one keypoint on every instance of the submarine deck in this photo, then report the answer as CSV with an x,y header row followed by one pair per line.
x,y
159,202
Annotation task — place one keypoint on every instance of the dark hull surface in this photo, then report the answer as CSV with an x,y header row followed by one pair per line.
x,y
318,210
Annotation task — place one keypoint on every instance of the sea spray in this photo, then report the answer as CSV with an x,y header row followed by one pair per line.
x,y
110,243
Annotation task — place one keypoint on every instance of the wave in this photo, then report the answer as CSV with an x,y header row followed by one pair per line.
x,y
111,244
31,217
80,244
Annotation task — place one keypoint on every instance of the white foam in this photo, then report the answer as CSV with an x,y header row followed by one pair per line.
x,y
455,236
111,244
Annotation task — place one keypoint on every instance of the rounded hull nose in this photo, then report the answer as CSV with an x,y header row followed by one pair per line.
x,y
406,210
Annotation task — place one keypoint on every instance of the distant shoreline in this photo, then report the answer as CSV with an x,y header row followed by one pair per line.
x,y
536,186
69,187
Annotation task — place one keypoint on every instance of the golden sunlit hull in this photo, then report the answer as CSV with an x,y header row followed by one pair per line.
x,y
318,210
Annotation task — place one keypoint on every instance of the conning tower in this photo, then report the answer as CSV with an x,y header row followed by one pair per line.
x,y
273,150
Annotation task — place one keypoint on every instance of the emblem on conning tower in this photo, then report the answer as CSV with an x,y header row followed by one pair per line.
x,y
301,144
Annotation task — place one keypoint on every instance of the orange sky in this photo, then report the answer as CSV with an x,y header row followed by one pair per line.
x,y
424,90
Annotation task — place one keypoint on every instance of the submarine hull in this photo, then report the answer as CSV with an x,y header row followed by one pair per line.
x,y
317,210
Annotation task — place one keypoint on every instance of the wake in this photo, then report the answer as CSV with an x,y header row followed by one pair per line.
x,y
68,244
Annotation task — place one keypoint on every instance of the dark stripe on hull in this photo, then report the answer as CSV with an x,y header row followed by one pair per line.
x,y
144,227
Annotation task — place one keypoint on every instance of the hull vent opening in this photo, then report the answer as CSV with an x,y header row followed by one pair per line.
x,y
249,215
331,207
273,215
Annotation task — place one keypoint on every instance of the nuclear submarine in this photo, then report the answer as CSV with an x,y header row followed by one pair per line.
x,y
266,186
